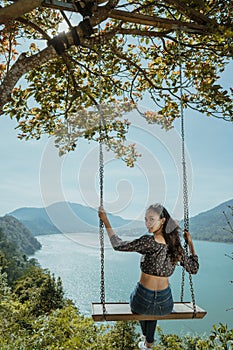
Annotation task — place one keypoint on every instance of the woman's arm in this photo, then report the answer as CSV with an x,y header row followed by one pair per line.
x,y
190,263
136,245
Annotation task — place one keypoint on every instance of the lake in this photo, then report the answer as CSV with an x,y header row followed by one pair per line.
x,y
76,259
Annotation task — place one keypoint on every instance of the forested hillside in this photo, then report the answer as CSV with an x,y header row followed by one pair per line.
x,y
18,234
212,224
35,315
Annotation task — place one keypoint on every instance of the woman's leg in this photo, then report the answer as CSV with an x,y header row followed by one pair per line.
x,y
149,302
148,330
143,327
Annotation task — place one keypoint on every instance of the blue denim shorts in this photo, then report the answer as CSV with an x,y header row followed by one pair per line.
x,y
151,302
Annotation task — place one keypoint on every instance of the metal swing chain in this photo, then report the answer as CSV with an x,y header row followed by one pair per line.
x,y
101,224
101,179
185,182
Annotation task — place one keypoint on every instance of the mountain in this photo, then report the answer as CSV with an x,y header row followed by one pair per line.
x,y
18,234
211,225
67,217
71,217
36,220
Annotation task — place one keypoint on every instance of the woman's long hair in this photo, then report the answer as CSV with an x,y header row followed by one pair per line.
x,y
171,232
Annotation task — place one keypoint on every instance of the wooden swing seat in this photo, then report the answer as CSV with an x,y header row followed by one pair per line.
x,y
121,312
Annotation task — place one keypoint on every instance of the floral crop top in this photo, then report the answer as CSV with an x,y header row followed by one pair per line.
x,y
155,258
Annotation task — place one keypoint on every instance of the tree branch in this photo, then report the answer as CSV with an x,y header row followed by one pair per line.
x,y
66,60
139,69
34,26
143,33
164,23
21,7
21,67
189,12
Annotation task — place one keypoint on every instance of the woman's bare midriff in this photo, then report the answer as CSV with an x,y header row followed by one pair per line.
x,y
153,282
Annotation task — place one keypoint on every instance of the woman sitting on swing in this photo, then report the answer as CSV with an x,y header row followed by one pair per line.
x,y
161,251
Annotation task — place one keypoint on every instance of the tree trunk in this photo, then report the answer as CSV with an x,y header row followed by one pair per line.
x,y
19,8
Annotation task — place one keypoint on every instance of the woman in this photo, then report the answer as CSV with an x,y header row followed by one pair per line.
x,y
161,251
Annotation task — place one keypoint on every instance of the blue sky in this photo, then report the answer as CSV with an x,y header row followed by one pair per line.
x,y
32,174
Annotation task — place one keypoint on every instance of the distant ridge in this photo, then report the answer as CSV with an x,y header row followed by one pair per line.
x,y
36,220
69,217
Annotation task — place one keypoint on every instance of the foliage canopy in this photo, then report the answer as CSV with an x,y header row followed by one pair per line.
x,y
127,50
